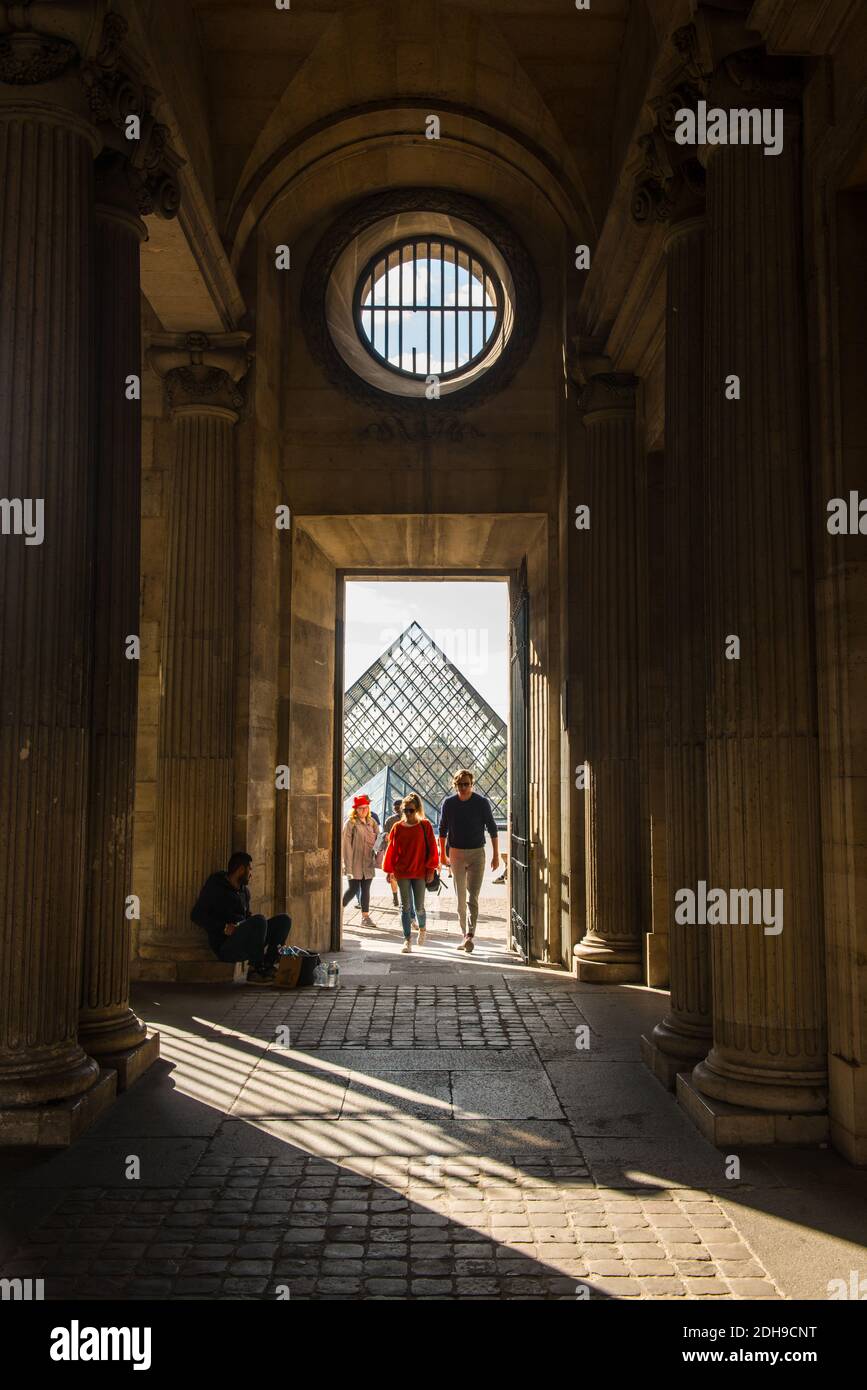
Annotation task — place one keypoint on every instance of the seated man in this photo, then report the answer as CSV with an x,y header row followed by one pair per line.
x,y
223,910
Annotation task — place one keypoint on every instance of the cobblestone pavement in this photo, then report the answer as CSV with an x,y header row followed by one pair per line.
x,y
439,1137
398,1227
409,1016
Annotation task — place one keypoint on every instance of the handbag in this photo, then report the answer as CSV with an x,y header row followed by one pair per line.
x,y
436,884
288,972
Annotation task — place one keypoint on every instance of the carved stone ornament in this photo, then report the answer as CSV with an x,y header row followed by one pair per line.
x,y
608,391
27,59
200,369
114,94
430,427
753,73
670,183
685,42
419,415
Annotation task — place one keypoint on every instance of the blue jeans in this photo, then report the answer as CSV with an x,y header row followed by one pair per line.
x,y
411,903
256,939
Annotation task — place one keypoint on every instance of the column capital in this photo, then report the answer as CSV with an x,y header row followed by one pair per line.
x,y
669,184
62,63
202,371
606,395
142,171
41,39
753,75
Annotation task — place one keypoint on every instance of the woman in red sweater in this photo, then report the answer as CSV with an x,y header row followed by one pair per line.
x,y
412,858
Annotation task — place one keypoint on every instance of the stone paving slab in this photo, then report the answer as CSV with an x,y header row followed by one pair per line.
x,y
165,1162
381,1135
660,1163
613,1099
523,1094
158,1106
374,1061
287,1085
395,1093
600,1049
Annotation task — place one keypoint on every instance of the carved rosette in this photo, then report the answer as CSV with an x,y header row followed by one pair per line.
x,y
202,372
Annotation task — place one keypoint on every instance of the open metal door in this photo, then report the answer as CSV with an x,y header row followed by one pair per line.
x,y
519,736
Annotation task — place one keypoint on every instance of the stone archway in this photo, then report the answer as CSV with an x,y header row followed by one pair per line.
x,y
324,549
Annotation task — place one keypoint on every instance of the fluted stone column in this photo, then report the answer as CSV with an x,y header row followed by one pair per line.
x,y
108,1027
670,190
612,948
195,741
769,1050
47,147
684,1033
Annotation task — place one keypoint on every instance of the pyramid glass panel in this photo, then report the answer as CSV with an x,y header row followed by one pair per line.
x,y
416,714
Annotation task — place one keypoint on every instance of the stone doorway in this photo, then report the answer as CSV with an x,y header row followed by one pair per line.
x,y
423,685
326,553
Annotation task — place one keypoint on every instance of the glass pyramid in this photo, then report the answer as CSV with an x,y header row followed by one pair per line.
x,y
414,711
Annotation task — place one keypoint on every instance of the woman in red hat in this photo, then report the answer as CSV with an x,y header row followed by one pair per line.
x,y
360,834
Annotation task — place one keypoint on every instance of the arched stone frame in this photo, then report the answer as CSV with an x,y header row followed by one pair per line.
x,y
377,209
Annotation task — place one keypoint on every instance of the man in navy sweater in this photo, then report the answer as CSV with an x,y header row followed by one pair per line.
x,y
222,909
464,818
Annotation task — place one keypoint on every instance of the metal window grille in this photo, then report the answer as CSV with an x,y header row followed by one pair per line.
x,y
414,711
428,307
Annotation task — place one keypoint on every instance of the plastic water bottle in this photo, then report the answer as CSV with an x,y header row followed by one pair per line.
x,y
320,975
333,974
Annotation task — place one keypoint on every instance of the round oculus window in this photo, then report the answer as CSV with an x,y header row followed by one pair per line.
x,y
419,302
429,306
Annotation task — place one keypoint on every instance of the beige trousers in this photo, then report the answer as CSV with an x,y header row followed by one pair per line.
x,y
468,870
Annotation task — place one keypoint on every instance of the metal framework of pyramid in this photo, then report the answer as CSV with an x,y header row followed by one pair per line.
x,y
415,711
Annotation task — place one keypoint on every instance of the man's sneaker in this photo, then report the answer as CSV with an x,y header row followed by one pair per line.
x,y
469,944
367,920
462,945
422,933
405,948
258,977
501,879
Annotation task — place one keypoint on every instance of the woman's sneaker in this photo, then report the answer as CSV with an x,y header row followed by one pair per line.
x,y
367,920
260,977
422,933
405,948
